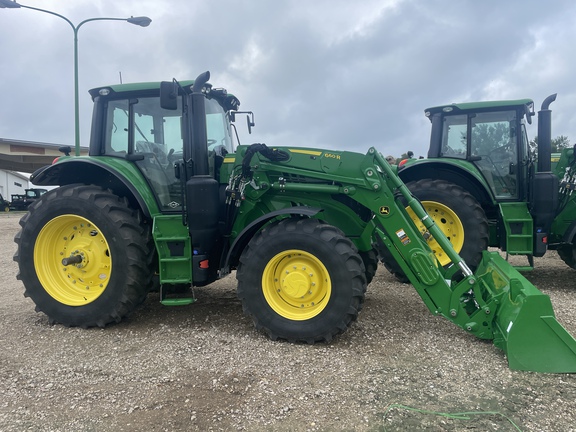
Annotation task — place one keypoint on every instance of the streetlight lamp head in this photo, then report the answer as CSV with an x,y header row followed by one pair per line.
x,y
8,4
142,21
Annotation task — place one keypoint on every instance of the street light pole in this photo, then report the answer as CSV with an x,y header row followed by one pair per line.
x,y
140,21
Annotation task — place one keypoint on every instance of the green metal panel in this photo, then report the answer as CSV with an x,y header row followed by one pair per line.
x,y
519,227
447,165
125,170
174,251
307,178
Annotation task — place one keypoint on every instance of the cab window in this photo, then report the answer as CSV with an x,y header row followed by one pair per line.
x,y
455,136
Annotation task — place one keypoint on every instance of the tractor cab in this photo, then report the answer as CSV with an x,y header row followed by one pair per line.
x,y
482,149
490,135
134,125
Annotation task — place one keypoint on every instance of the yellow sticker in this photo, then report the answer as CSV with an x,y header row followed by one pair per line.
x,y
403,237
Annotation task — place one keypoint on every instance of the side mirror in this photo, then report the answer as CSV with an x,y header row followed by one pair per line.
x,y
169,95
249,118
250,123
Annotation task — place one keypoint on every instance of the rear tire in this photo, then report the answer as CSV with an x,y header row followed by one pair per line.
x,y
567,252
112,240
458,214
301,280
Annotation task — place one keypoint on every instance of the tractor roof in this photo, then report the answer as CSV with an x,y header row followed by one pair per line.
x,y
130,87
227,100
478,106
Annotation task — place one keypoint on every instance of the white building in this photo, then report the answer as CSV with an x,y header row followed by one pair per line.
x,y
13,183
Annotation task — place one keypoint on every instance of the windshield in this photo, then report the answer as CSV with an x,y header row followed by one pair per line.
x,y
157,129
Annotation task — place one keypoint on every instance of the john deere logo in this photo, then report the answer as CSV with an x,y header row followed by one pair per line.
x,y
384,210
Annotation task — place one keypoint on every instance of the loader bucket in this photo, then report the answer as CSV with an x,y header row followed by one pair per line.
x,y
525,326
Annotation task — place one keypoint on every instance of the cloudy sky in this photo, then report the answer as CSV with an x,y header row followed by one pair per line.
x,y
317,73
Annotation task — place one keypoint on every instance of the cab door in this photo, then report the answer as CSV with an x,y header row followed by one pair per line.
x,y
494,150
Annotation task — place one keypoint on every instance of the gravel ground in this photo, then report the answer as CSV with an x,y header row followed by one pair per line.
x,y
204,367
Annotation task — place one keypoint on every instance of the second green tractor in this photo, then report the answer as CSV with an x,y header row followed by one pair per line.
x,y
485,185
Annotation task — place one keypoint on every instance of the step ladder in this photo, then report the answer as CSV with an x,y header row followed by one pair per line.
x,y
519,229
174,256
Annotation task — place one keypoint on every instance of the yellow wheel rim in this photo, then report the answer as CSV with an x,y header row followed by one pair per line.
x,y
296,285
450,224
72,236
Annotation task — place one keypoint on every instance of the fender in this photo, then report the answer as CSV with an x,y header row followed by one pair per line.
x,y
247,233
462,173
111,173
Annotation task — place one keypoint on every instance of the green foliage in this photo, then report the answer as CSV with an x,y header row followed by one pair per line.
x,y
488,136
407,155
557,144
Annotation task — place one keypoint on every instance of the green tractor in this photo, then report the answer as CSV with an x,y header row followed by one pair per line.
x,y
485,187
165,195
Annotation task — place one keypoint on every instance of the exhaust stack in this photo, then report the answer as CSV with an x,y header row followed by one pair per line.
x,y
545,135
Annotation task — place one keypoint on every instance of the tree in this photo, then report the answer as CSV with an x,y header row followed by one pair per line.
x,y
557,144
489,136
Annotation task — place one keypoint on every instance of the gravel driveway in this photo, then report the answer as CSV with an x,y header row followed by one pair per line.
x,y
204,367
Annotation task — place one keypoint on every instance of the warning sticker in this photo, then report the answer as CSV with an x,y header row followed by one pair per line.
x,y
403,237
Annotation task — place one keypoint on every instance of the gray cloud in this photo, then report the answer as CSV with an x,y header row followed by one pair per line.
x,y
319,74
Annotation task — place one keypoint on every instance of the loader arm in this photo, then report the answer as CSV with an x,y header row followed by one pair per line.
x,y
494,303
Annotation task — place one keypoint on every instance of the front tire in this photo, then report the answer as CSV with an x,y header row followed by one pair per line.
x,y
109,247
370,259
301,280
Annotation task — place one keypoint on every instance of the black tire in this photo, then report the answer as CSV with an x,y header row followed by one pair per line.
x,y
370,259
392,266
567,252
319,262
470,239
113,241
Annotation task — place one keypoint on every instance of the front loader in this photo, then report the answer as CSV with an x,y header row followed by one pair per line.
x,y
164,195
